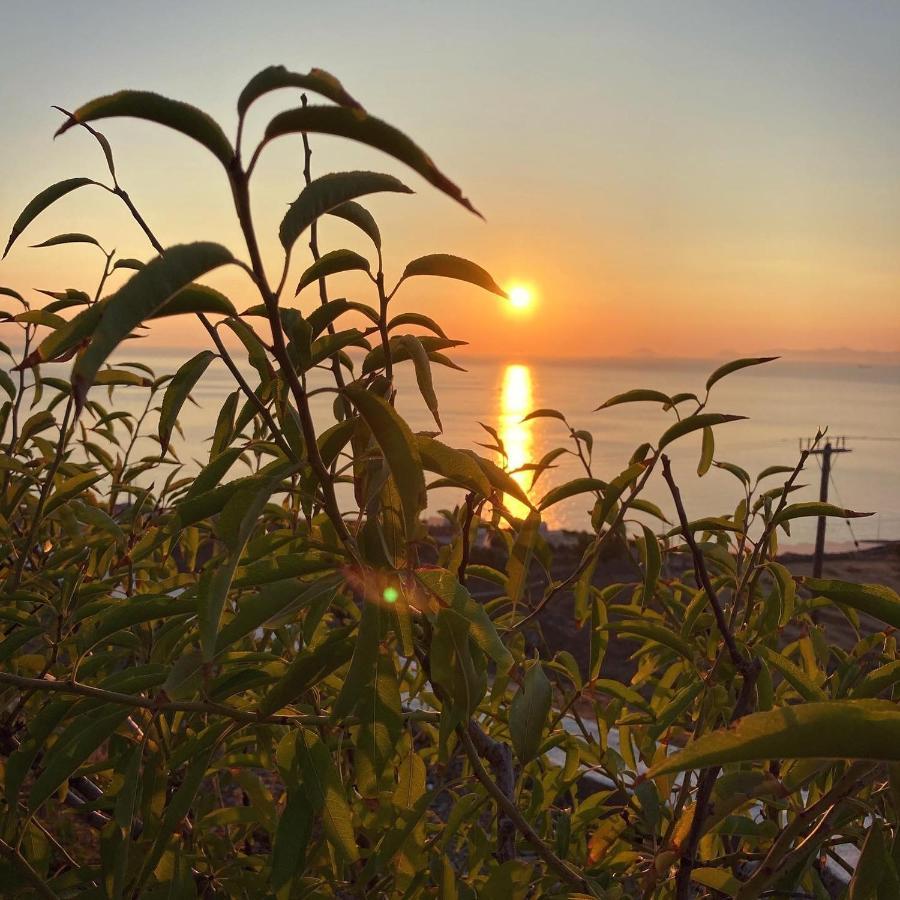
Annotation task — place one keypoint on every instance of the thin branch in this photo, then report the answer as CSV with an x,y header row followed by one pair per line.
x,y
33,878
159,704
700,570
562,868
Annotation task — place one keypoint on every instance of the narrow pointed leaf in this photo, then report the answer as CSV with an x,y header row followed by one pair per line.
x,y
400,451
877,600
529,712
734,366
686,426
835,729
332,263
178,390
357,126
144,294
44,199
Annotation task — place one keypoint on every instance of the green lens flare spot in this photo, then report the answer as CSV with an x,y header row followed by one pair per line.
x,y
390,595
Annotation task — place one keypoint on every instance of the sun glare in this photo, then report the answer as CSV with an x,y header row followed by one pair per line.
x,y
521,297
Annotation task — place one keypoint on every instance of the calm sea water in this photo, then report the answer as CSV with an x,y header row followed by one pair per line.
x,y
785,401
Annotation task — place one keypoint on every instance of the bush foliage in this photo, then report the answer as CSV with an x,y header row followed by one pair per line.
x,y
268,678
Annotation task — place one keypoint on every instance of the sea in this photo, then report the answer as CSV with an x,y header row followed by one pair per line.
x,y
785,402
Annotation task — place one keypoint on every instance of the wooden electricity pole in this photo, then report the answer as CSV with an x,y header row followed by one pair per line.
x,y
835,445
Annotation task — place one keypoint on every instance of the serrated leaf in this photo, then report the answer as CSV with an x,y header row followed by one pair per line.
x,y
445,265
329,191
138,299
177,392
356,125
331,264
45,198
180,116
273,78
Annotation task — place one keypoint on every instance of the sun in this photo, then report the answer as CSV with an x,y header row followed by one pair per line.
x,y
521,297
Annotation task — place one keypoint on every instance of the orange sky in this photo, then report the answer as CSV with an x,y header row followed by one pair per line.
x,y
678,185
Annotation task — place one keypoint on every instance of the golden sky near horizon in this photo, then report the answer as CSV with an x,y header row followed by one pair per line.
x,y
679,180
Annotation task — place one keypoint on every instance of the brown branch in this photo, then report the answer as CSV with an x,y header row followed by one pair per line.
x,y
159,704
562,868
748,668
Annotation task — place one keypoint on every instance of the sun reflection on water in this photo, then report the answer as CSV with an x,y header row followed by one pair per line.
x,y
515,403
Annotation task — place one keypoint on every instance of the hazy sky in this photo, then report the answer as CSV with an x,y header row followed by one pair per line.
x,y
680,177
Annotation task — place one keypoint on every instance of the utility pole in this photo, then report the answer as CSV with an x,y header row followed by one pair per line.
x,y
835,445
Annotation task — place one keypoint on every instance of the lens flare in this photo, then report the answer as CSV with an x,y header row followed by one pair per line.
x,y
521,297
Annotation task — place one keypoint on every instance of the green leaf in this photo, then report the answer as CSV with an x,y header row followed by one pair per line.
x,y
707,451
877,600
69,238
177,391
502,481
381,724
621,692
44,199
454,465
272,78
412,318
400,451
71,487
324,194
654,632
447,266
73,748
734,365
235,525
291,839
308,668
814,508
870,870
720,880
482,631
570,489
529,712
422,366
639,395
180,116
195,298
452,666
358,126
520,557
332,263
325,793
794,675
686,426
836,729
652,565
358,215
138,299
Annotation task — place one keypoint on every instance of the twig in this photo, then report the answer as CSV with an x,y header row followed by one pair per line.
x,y
562,868
749,669
159,704
34,879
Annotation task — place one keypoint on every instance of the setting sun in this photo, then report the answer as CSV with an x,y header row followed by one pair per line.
x,y
521,297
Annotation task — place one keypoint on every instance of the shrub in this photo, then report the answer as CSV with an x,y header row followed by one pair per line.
x,y
242,682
